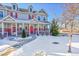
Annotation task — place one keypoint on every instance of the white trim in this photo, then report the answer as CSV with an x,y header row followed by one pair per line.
x,y
38,28
7,17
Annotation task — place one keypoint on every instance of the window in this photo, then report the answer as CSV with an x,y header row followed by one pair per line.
x,y
1,13
14,7
29,17
44,19
30,9
38,17
14,14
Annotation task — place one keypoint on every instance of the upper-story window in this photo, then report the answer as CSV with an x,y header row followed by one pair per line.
x,y
14,7
1,13
14,15
44,18
30,9
29,16
38,17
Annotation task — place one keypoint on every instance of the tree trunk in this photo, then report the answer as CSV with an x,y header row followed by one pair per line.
x,y
70,39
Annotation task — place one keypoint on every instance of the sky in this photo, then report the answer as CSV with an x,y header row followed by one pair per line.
x,y
53,9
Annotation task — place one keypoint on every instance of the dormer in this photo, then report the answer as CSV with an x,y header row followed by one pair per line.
x,y
30,8
42,11
14,6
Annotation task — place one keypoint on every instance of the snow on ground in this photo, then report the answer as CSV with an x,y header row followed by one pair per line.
x,y
7,42
45,43
3,47
11,40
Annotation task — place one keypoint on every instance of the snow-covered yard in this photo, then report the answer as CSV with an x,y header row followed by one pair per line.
x,y
13,43
12,40
5,43
45,43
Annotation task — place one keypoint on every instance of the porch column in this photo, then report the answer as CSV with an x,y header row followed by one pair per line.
x,y
11,29
2,28
49,28
29,29
23,26
38,29
44,30
16,29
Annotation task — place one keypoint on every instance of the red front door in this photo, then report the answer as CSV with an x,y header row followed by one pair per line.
x,y
8,30
31,29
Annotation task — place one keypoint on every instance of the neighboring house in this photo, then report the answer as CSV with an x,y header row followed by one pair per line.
x,y
13,19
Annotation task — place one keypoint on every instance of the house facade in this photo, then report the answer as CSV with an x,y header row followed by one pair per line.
x,y
13,19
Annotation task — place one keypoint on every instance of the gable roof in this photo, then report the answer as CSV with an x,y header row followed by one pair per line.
x,y
43,11
8,19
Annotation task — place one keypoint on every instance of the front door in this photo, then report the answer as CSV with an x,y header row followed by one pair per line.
x,y
31,29
8,30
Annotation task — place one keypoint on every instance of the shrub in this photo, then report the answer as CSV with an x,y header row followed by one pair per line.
x,y
23,33
54,28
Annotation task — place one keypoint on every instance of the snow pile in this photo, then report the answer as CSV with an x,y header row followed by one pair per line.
x,y
3,47
40,53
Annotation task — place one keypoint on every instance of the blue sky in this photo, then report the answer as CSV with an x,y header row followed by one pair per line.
x,y
52,9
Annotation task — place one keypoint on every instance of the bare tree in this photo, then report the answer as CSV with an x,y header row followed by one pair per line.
x,y
69,15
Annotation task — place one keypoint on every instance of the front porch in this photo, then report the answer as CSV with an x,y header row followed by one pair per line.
x,y
12,27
